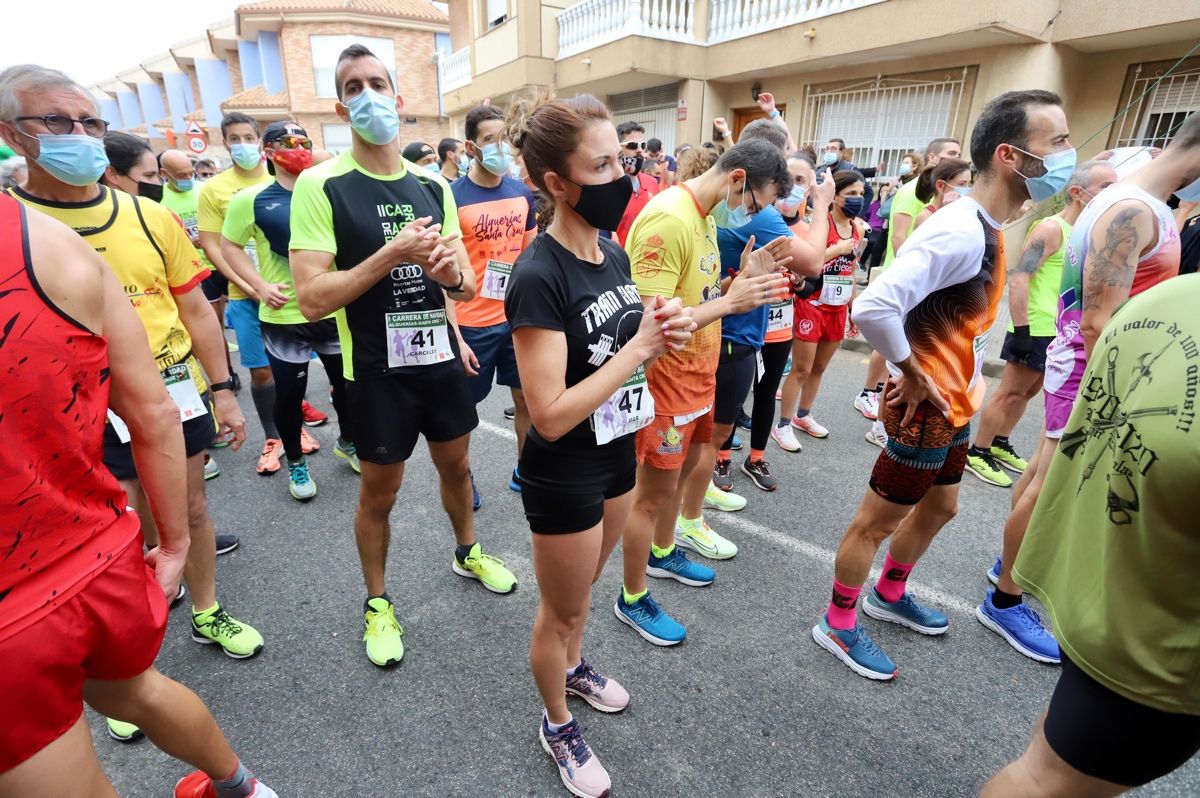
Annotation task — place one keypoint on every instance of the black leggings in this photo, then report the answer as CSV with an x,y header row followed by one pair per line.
x,y
291,381
763,416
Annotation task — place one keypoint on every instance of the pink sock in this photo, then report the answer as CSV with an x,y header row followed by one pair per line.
x,y
841,613
894,580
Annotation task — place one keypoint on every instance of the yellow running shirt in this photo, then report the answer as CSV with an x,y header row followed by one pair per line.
x,y
215,195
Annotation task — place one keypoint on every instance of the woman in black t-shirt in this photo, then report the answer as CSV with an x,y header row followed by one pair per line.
x,y
582,342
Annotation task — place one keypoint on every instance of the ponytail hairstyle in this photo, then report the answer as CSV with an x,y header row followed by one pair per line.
x,y
945,170
546,130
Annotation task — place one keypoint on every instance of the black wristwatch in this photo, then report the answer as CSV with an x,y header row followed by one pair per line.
x,y
227,385
458,288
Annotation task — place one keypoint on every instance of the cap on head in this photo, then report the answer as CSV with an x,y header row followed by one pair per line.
x,y
277,130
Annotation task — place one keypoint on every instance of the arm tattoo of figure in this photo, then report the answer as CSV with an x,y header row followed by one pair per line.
x,y
1032,256
1112,264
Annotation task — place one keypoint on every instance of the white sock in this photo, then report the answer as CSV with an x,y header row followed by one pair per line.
x,y
571,671
555,728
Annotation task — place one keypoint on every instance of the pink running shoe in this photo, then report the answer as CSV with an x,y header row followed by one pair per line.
x,y
602,693
579,769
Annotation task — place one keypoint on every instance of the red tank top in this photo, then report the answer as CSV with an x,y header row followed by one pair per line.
x,y
843,265
62,513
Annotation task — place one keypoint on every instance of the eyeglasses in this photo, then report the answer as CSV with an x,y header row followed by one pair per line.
x,y
634,145
62,125
294,143
756,206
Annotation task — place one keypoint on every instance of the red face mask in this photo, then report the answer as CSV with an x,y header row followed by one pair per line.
x,y
293,161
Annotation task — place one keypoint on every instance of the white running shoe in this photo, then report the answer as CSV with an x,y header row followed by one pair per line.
x,y
877,435
867,404
810,425
786,438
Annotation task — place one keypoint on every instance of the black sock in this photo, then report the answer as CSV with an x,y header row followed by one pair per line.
x,y
783,422
975,450
1000,440
865,391
461,552
1005,601
879,387
367,605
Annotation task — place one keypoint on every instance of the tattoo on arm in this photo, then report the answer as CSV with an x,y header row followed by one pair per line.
x,y
1112,264
1032,256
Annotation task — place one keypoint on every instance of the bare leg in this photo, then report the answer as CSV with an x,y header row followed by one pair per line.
x,y
695,480
67,766
876,520
803,355
921,526
876,372
1018,520
453,467
823,354
1041,773
1018,385
654,495
372,532
138,501
664,524
200,570
521,421
616,514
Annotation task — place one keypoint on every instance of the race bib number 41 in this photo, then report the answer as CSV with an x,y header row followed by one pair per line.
x,y
418,338
626,411
495,279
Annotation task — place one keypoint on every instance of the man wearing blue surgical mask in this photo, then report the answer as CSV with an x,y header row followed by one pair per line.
x,y
496,214
376,241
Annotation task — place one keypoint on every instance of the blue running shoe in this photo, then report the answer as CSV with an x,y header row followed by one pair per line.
x,y
1022,628
744,421
649,620
906,612
476,499
993,573
787,367
514,482
736,444
855,648
677,566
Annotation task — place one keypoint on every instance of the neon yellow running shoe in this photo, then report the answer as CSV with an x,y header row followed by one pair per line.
x,y
121,731
236,639
717,499
698,536
382,633
487,569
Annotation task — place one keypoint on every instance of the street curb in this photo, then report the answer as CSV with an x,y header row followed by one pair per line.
x,y
991,368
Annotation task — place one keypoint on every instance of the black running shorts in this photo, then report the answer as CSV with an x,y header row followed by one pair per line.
x,y
198,435
1110,737
392,411
564,488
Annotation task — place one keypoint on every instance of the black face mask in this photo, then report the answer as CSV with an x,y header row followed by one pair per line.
x,y
632,163
152,191
603,205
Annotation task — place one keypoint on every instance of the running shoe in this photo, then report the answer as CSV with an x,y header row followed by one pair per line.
x,y
510,413
514,482
578,767
1007,456
744,421
487,569
233,347
723,475
760,473
268,461
988,470
735,444
600,692
227,543
211,469
856,649
235,638
786,438
218,443
876,435
715,499
300,484
703,539
348,452
179,596
779,394
787,367
993,573
312,416
476,498
1022,628
650,621
199,785
123,732
382,633
677,566
867,403
308,444
809,424
906,612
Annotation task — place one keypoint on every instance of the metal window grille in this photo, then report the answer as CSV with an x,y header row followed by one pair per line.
x,y
1156,112
884,118
653,108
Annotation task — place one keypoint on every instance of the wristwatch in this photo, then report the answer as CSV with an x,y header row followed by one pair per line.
x,y
226,385
458,287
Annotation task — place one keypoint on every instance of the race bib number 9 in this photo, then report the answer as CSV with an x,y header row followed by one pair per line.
x,y
495,279
626,411
780,315
838,289
418,338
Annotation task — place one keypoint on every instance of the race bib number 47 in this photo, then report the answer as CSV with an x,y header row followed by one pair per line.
x,y
626,411
418,338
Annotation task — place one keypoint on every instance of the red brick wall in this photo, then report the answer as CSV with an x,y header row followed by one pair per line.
x,y
416,74
234,62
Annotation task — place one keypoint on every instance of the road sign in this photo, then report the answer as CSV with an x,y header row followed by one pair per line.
x,y
196,141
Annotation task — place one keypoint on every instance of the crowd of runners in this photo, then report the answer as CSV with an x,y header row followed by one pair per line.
x,y
632,303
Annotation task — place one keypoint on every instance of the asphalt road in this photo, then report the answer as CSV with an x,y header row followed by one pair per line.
x,y
747,706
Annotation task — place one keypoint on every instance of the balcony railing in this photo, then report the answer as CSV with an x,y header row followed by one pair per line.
x,y
592,23
730,19
454,70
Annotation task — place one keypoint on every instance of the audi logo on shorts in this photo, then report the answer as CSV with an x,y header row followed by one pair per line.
x,y
407,271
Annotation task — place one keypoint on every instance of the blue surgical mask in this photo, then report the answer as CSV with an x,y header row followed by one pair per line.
x,y
829,158
852,206
1059,168
962,190
496,158
1190,192
789,205
374,117
184,186
464,164
731,218
74,158
433,169
247,156
905,169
